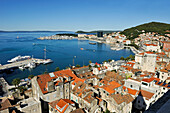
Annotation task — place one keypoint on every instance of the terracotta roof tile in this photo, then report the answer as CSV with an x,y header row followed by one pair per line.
x,y
80,110
132,91
61,103
5,103
150,79
146,94
43,79
119,98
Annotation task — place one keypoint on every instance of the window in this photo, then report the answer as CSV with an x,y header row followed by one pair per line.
x,y
163,88
131,86
51,109
158,93
103,91
138,101
143,83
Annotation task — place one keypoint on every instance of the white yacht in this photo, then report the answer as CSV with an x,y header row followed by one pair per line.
x,y
47,61
18,58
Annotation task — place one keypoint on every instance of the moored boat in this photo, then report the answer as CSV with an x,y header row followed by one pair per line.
x,y
18,58
93,43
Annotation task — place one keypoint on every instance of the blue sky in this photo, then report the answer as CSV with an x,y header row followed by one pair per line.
x,y
73,15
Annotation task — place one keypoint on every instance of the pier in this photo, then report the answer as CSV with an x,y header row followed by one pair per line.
x,y
20,63
134,50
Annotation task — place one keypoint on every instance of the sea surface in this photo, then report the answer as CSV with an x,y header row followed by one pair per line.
x,y
61,52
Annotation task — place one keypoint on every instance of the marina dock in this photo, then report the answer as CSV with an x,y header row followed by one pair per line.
x,y
20,63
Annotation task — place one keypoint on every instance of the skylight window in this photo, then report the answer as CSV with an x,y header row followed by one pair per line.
x,y
51,74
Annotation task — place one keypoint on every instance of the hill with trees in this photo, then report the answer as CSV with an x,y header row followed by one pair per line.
x,y
157,27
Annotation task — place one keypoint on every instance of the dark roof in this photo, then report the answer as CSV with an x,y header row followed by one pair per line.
x,y
78,111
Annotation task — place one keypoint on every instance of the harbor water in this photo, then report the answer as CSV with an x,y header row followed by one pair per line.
x,y
62,52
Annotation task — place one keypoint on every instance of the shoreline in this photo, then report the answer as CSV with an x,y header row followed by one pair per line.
x,y
133,49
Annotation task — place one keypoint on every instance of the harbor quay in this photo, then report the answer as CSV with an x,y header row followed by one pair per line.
x,y
17,64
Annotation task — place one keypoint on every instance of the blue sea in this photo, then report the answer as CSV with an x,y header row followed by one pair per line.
x,y
61,52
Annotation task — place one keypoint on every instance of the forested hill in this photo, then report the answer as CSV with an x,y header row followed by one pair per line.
x,y
157,27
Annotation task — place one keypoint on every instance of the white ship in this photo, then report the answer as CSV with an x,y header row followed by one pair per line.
x,y
18,58
47,61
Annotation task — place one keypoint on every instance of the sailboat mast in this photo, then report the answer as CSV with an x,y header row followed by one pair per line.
x,y
45,53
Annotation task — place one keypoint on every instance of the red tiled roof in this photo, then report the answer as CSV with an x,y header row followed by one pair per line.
x,y
166,68
132,91
150,79
119,98
146,94
150,44
111,88
115,84
77,80
43,79
61,103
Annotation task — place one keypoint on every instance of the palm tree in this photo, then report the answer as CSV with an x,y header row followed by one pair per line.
x,y
16,81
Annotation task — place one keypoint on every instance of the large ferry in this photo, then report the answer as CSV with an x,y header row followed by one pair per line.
x,y
18,58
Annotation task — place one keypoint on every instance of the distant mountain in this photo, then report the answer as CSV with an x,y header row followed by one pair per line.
x,y
31,31
157,27
97,31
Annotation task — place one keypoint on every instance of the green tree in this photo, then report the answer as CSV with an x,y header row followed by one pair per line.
x,y
95,66
22,89
31,76
132,57
126,59
90,61
122,58
105,61
16,81
45,72
109,60
107,111
89,66
67,67
78,65
57,69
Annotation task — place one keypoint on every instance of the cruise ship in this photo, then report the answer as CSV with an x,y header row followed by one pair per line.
x,y
18,58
